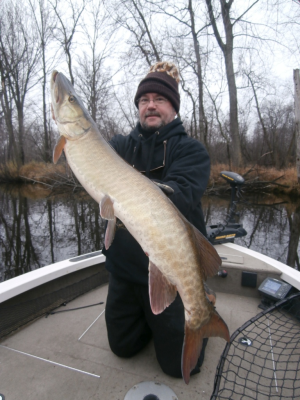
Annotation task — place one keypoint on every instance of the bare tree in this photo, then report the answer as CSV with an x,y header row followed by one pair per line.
x,y
141,47
19,55
7,110
279,122
221,126
93,78
186,16
227,49
294,223
145,30
44,25
67,26
202,117
297,120
136,18
260,117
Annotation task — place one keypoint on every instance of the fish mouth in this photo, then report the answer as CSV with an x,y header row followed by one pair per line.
x,y
54,86
54,75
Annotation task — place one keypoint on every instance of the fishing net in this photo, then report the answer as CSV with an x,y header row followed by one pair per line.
x,y
262,361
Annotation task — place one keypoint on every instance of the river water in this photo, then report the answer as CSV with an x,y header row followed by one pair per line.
x,y
37,228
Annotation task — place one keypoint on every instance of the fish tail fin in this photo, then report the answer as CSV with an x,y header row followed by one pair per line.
x,y
193,340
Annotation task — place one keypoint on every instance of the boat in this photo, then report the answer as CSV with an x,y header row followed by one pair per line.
x,y
53,341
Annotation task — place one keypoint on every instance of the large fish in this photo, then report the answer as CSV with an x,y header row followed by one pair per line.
x,y
180,257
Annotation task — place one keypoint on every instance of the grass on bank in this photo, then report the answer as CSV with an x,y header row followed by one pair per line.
x,y
286,177
53,176
36,172
257,178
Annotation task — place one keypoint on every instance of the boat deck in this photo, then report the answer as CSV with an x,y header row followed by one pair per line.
x,y
67,355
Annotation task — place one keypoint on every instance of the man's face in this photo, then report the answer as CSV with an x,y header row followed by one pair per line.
x,y
155,111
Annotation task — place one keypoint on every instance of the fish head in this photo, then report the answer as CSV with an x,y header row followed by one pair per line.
x,y
68,111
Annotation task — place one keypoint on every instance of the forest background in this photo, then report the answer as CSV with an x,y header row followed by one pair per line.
x,y
236,62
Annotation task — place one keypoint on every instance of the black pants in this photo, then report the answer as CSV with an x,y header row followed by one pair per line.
x,y
131,325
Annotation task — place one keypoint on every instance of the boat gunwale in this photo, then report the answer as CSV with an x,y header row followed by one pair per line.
x,y
30,280
288,274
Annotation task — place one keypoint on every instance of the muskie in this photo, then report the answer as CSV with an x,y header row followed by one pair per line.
x,y
180,257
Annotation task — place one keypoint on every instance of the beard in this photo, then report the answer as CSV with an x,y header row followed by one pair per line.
x,y
152,128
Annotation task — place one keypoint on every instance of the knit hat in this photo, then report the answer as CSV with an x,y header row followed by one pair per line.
x,y
163,78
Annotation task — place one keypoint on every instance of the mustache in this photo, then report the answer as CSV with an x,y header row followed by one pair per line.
x,y
152,113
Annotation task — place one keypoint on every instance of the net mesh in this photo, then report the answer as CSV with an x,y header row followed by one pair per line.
x,y
263,358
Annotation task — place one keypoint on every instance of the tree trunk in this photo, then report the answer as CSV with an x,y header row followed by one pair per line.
x,y
227,49
47,152
297,120
233,113
294,222
202,117
261,120
233,102
20,110
7,110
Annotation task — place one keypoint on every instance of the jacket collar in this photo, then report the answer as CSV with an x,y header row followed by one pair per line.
x,y
149,152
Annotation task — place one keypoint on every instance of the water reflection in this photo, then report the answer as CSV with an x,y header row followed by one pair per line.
x,y
37,229
272,224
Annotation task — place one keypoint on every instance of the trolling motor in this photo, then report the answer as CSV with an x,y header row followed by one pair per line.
x,y
227,232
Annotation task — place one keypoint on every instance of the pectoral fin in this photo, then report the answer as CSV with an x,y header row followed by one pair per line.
x,y
110,233
162,293
107,208
59,148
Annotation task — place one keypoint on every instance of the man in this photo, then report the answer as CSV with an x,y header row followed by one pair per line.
x,y
160,148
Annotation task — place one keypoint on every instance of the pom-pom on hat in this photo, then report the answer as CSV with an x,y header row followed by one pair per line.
x,y
163,78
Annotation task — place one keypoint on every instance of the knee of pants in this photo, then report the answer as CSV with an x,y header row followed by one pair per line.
x,y
127,345
170,362
121,348
121,351
171,370
126,351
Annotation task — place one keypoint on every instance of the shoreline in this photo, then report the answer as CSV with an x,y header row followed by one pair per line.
x,y
59,178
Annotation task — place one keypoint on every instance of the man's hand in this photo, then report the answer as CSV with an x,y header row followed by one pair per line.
x,y
165,188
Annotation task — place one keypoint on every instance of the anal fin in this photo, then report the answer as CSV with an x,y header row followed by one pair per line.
x,y
107,208
162,293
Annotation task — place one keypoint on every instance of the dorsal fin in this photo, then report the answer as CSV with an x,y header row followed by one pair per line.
x,y
210,260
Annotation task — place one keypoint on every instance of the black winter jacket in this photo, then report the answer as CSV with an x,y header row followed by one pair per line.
x,y
167,156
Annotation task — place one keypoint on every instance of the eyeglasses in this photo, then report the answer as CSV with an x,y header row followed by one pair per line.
x,y
143,101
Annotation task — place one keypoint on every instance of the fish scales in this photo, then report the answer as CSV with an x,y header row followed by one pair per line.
x,y
151,210
180,258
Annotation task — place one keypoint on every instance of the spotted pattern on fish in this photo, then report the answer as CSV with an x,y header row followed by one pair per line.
x,y
179,256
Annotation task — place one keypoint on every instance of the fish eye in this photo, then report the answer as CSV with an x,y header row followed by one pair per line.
x,y
71,99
